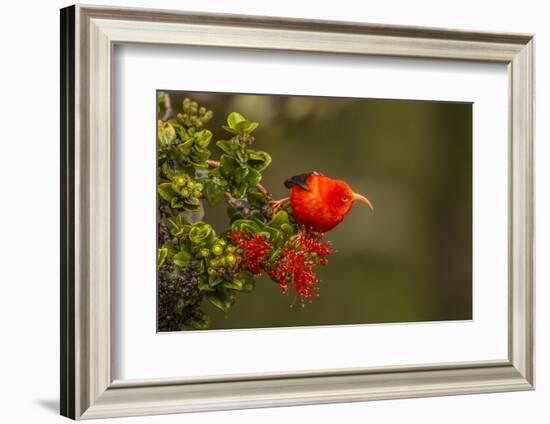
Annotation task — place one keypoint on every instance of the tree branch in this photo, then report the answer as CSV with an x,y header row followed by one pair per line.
x,y
259,187
168,112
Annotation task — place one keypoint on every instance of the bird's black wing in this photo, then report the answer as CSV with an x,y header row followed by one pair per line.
x,y
300,180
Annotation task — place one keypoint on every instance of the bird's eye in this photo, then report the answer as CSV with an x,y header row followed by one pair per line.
x,y
345,198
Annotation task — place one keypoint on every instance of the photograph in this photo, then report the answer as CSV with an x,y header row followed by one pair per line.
x,y
288,211
291,211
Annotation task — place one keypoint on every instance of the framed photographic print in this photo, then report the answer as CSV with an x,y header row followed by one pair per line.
x,y
267,212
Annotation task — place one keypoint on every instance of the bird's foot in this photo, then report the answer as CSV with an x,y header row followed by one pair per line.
x,y
278,204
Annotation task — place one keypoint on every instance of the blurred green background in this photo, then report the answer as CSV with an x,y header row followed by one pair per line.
x,y
408,260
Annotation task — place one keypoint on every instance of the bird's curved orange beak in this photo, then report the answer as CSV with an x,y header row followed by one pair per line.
x,y
359,198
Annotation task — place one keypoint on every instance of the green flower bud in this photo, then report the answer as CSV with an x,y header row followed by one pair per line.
x,y
197,193
222,242
230,259
230,249
186,104
217,249
179,180
205,253
202,110
185,192
190,184
211,271
199,186
214,262
207,116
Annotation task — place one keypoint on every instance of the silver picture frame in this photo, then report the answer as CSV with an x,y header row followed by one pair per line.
x,y
88,389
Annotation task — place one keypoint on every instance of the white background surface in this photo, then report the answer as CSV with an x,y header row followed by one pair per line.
x,y
135,342
29,175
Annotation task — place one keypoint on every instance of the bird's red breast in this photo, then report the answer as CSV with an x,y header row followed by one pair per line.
x,y
320,202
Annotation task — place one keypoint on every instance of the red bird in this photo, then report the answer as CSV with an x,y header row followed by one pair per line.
x,y
321,202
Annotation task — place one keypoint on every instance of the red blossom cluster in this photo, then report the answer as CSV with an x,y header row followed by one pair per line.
x,y
294,265
255,249
297,263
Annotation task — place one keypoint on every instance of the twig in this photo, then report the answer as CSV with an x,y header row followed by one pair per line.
x,y
168,112
263,190
213,163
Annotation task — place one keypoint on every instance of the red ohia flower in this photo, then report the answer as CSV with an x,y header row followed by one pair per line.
x,y
297,263
255,249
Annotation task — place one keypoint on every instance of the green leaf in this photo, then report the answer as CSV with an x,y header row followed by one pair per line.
x,y
229,129
228,146
258,160
246,126
202,174
288,229
200,268
166,133
214,281
227,296
199,320
203,138
192,201
175,124
279,219
214,192
233,213
171,249
166,191
204,286
243,282
161,256
176,203
249,282
242,157
240,174
253,177
214,299
258,216
239,190
172,169
186,147
178,225
264,228
191,207
177,231
228,166
245,225
216,172
256,200
182,258
201,232
235,284
182,133
233,120
199,154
